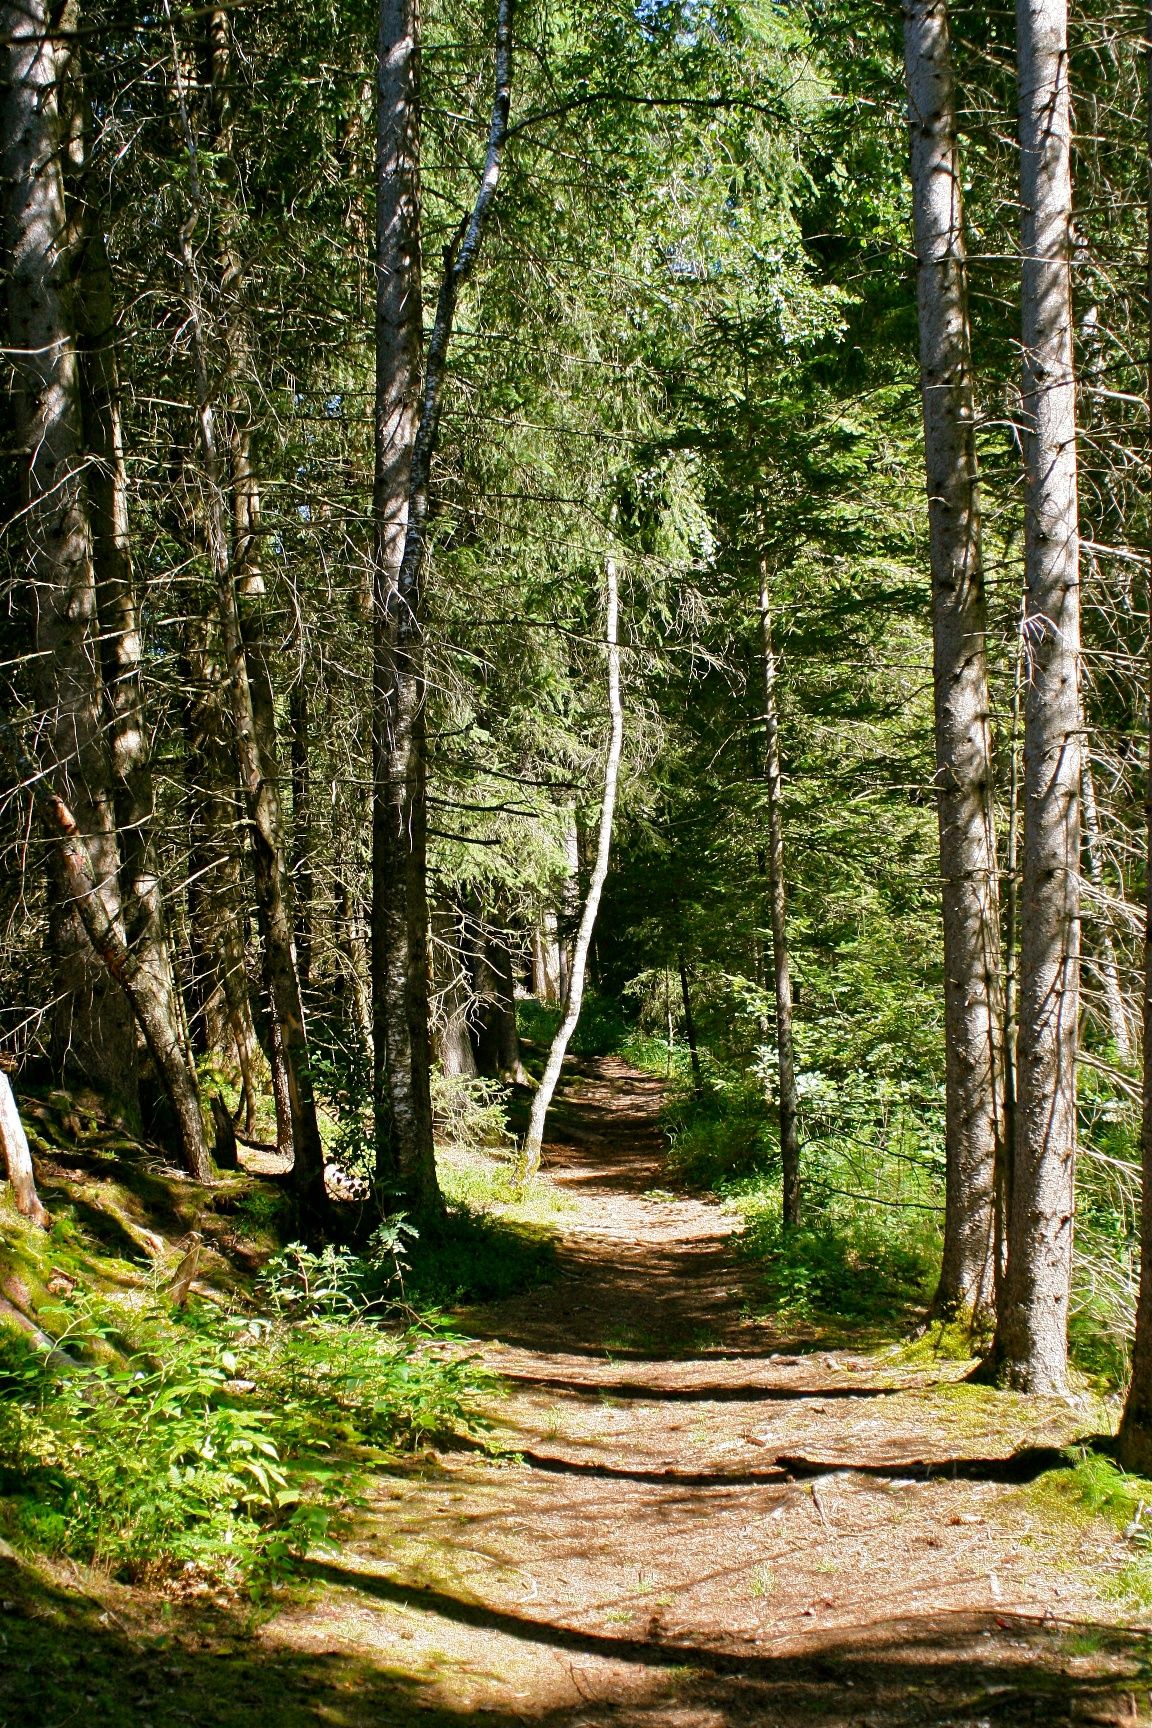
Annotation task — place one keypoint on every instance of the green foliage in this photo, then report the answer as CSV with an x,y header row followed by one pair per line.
x,y
470,1114
601,1030
222,1443
467,1257
844,1263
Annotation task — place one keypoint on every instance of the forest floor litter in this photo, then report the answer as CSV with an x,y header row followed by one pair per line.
x,y
680,1515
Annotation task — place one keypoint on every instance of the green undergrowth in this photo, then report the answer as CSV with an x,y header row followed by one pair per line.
x,y
472,1256
602,1029
218,1432
844,1271
1093,1485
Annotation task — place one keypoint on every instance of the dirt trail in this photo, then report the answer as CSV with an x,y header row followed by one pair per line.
x,y
697,1525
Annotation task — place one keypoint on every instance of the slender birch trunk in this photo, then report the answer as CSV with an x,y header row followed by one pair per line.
x,y
778,909
1135,1437
16,1159
532,1149
973,1003
92,1032
1030,1350
405,448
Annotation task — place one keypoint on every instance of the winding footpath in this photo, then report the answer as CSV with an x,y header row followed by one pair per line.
x,y
686,1518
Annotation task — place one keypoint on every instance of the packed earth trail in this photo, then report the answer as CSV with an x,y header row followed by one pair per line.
x,y
693,1519
680,1516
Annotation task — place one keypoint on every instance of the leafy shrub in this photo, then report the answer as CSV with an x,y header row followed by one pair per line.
x,y
840,1263
219,1442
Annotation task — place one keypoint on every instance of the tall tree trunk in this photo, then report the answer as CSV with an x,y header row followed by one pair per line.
x,y
778,907
1135,1437
1007,1150
405,1154
92,1030
303,879
497,1037
451,1035
534,1139
257,776
973,1004
690,1028
121,649
405,1159
286,1047
222,1005
1030,1350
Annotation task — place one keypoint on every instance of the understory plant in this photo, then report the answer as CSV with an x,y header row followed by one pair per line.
x,y
215,1444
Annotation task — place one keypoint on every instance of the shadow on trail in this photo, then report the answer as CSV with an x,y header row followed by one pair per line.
x,y
1018,1469
68,1661
724,1393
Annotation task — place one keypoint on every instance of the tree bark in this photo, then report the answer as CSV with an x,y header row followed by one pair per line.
x,y
1030,1349
973,1001
532,1149
497,1037
16,1158
405,1157
690,1029
405,447
222,1004
92,1032
149,1003
1134,1442
452,987
778,908
303,877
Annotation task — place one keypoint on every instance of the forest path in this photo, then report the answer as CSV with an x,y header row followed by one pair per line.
x,y
692,1524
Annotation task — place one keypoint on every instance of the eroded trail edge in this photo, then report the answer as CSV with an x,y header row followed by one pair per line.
x,y
695,1519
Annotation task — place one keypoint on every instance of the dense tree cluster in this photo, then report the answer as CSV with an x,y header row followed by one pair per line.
x,y
466,531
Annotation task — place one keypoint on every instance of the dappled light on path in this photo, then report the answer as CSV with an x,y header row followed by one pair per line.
x,y
680,1517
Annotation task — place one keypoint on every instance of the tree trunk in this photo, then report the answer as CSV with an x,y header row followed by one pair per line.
x,y
1135,1438
257,776
452,986
973,1005
92,1030
545,957
150,1005
303,879
406,1160
1007,1150
222,1005
405,1156
690,1029
497,1037
534,1139
778,907
17,1159
1030,1350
